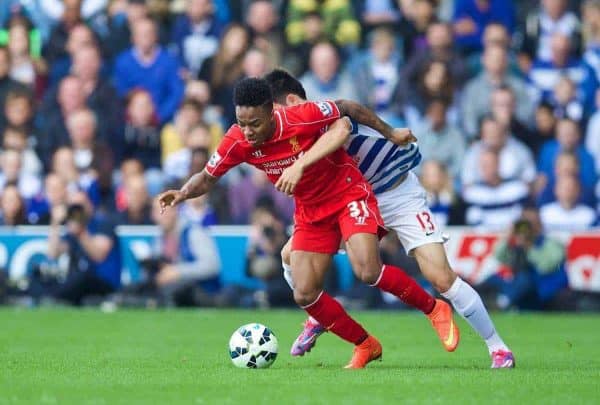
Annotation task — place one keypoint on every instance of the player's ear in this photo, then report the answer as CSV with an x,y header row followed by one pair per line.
x,y
292,99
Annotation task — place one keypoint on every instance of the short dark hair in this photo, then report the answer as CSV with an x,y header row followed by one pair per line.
x,y
252,92
283,83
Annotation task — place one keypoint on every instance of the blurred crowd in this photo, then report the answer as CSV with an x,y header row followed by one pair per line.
x,y
104,103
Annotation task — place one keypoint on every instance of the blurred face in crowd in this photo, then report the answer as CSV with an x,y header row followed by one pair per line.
x,y
496,34
554,8
324,62
12,205
591,17
198,137
136,11
545,120
18,40
79,37
11,165
435,77
495,61
503,106
493,135
434,177
189,115
565,90
235,42
255,63
198,10
561,47
141,108
70,96
567,134
137,193
439,36
72,13
567,191
382,45
313,27
82,129
131,168
56,189
4,63
436,114
14,139
81,198
566,165
422,13
17,110
489,167
144,36
262,16
199,160
198,90
63,164
86,63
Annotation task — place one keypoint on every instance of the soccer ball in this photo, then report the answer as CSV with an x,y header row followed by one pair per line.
x,y
253,346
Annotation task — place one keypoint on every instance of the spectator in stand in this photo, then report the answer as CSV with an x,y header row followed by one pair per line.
x,y
177,165
545,125
541,25
244,195
439,140
54,194
147,65
262,20
566,214
440,47
199,91
172,136
63,164
255,63
516,160
225,68
592,135
477,92
591,30
326,79
544,75
433,83
200,211
440,196
123,14
11,165
70,17
12,207
16,139
413,27
7,84
138,203
535,263
142,137
566,164
339,22
377,75
470,18
568,139
297,57
565,101
51,120
503,108
494,203
129,169
100,95
196,34
79,37
18,113
378,14
26,67
495,34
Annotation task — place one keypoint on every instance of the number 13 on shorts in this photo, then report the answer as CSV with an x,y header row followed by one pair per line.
x,y
426,223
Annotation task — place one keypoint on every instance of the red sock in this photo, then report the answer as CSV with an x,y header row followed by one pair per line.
x,y
334,318
397,282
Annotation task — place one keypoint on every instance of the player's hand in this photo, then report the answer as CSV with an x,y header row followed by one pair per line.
x,y
170,198
403,136
289,179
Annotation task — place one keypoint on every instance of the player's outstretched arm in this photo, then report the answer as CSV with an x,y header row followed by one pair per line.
x,y
335,137
199,184
364,116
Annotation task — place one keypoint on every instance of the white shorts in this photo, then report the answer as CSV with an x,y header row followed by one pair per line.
x,y
404,210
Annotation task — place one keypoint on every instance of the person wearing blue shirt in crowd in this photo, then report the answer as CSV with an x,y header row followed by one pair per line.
x,y
148,66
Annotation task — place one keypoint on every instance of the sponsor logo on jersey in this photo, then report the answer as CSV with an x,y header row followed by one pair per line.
x,y
214,159
295,144
325,108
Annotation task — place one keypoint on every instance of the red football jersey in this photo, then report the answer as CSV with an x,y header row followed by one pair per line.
x,y
297,129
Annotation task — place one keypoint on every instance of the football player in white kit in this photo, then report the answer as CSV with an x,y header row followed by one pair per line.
x,y
403,206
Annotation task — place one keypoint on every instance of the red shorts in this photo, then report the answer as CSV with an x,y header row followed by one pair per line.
x,y
355,212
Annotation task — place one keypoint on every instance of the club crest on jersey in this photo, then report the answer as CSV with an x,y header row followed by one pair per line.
x,y
258,153
295,144
325,108
214,159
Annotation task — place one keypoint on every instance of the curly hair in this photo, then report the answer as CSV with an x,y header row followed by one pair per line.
x,y
252,92
283,83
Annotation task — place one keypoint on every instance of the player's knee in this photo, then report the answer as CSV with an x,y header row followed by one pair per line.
x,y
367,270
305,297
443,280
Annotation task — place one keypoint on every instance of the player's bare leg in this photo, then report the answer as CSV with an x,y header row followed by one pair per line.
x,y
308,273
434,265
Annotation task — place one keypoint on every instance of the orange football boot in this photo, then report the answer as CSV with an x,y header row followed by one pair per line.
x,y
365,352
443,323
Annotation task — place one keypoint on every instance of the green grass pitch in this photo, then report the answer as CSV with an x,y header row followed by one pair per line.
x,y
65,356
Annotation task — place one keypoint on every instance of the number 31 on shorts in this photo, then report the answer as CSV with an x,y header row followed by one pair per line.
x,y
426,223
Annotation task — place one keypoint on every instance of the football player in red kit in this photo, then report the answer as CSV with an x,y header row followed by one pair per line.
x,y
333,203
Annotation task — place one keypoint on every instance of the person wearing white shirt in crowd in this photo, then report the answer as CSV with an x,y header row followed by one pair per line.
x,y
11,172
177,165
494,203
565,214
516,160
592,135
